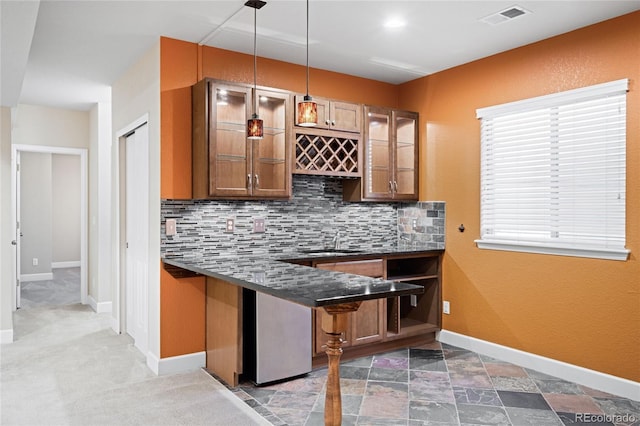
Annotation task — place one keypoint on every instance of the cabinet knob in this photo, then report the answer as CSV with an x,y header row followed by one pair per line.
x,y
249,181
327,122
256,180
333,122
390,186
395,186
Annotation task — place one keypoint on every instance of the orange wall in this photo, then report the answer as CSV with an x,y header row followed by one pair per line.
x,y
582,311
181,65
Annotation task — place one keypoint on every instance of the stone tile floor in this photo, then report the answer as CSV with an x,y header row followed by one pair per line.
x,y
439,385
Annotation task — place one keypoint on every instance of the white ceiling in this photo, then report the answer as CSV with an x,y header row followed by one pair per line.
x,y
68,53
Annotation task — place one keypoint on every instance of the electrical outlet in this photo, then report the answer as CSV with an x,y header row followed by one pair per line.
x,y
258,225
446,308
170,227
230,225
35,261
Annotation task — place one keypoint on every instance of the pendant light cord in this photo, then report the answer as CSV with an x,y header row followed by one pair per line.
x,y
307,48
255,58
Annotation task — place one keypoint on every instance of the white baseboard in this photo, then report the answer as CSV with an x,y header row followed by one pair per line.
x,y
99,308
69,264
573,373
176,364
45,276
6,336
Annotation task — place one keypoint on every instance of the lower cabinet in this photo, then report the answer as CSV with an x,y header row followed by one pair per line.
x,y
386,324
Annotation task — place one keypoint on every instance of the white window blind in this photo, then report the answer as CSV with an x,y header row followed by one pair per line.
x,y
553,173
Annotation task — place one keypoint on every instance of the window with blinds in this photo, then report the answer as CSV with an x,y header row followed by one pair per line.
x,y
553,173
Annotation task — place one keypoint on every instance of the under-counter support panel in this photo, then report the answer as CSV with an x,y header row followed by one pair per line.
x,y
224,330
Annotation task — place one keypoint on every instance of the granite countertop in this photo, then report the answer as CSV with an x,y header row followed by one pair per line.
x,y
272,274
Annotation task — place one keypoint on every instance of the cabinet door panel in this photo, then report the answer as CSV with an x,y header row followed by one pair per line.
x,y
405,137
229,149
367,324
271,156
405,183
345,116
324,114
231,174
377,155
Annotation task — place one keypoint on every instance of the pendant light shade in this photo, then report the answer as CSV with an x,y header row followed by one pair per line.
x,y
307,111
255,128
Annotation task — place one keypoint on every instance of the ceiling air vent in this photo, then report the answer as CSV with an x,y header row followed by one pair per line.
x,y
505,15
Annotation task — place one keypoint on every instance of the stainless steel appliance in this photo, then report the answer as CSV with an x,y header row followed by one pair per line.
x,y
277,338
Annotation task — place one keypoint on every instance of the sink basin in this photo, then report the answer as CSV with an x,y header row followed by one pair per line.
x,y
328,251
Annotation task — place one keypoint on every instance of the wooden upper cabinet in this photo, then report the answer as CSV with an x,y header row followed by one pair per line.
x,y
226,164
390,157
336,115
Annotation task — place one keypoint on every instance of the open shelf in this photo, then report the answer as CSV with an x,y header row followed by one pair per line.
x,y
412,268
420,312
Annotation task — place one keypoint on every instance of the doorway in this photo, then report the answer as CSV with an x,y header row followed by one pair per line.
x,y
50,235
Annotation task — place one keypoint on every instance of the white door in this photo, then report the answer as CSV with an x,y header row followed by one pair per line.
x,y
137,236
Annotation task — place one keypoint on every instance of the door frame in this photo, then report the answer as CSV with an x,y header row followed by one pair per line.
x,y
84,209
119,325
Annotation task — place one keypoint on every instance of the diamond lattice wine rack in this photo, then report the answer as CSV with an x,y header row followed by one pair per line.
x,y
327,155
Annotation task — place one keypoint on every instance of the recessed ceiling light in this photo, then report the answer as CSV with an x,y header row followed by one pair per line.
x,y
394,23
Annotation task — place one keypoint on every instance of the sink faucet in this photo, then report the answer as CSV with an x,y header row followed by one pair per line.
x,y
336,241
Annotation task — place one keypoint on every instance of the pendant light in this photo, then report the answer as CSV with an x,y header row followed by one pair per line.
x,y
255,129
307,109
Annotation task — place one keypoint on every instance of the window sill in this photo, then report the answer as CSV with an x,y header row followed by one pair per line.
x,y
524,247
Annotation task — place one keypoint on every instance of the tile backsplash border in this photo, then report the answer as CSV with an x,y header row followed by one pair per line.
x,y
309,220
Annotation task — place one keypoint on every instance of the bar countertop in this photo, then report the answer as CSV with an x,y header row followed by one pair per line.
x,y
312,287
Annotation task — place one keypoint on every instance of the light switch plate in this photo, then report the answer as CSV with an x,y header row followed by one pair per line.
x,y
170,227
258,225
230,225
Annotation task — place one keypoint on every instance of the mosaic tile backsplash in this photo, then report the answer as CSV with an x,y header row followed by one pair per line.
x,y
309,220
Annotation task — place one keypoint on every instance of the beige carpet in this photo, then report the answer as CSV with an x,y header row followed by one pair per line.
x,y
67,367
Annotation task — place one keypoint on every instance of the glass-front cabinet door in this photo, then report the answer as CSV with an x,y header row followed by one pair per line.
x,y
378,179
405,184
271,156
390,155
229,148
